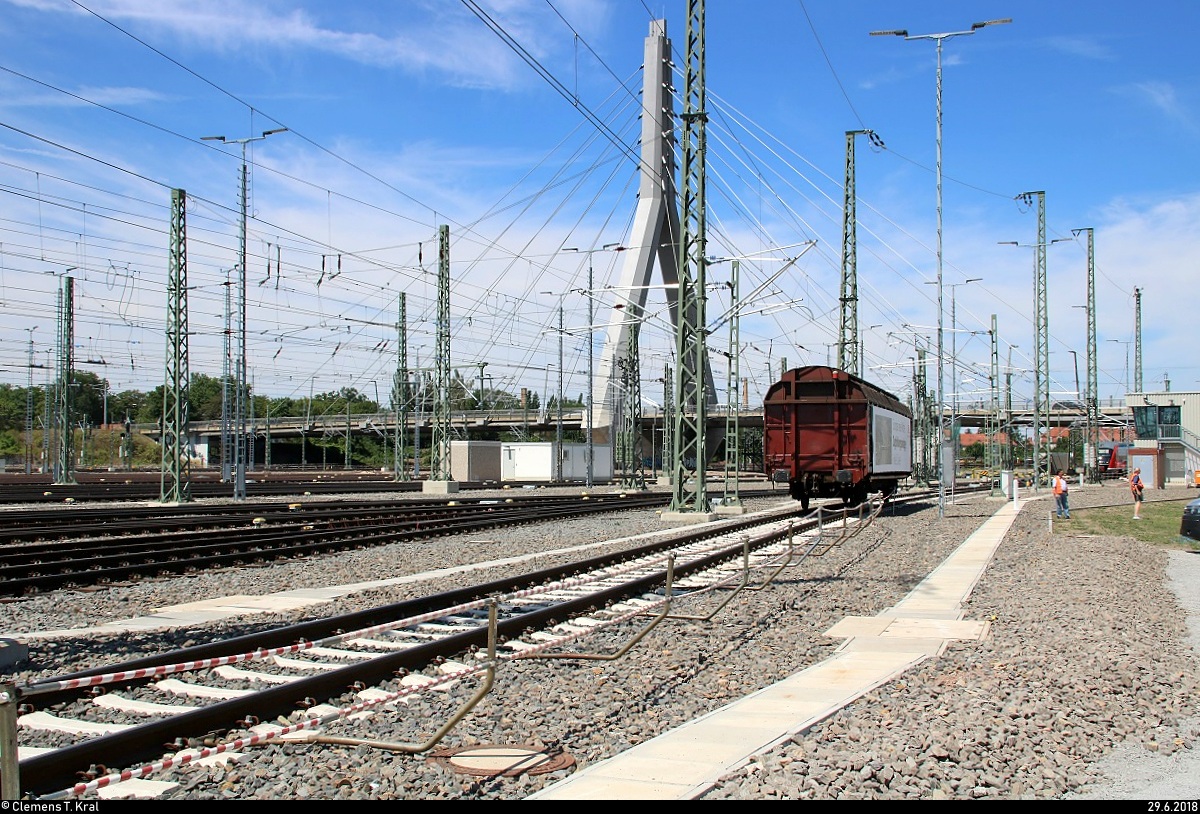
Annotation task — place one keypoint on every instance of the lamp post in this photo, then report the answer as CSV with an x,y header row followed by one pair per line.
x,y
239,487
590,320
939,39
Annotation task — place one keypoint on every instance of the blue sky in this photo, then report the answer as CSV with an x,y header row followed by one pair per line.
x,y
483,116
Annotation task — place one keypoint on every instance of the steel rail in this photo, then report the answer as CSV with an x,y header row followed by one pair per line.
x,y
43,774
258,544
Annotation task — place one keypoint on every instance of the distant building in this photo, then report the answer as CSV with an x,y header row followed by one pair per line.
x,y
1168,423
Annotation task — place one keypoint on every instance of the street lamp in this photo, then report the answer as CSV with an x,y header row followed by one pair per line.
x,y
617,247
239,488
939,38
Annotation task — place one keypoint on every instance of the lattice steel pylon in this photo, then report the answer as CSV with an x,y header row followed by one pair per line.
x,y
633,473
848,336
175,478
1041,347
732,496
439,464
400,395
1092,399
226,392
668,412
64,471
689,491
993,425
921,412
1137,340
29,409
1008,412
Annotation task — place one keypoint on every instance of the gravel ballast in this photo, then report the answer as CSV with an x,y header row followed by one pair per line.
x,y
1084,686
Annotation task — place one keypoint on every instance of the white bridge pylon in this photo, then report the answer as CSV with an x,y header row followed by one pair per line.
x,y
656,230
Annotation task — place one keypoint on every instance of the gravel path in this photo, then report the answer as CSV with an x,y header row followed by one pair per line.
x,y
1084,688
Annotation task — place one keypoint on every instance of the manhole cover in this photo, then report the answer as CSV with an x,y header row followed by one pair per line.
x,y
508,761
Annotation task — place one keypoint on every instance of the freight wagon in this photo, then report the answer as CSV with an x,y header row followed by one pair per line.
x,y
828,433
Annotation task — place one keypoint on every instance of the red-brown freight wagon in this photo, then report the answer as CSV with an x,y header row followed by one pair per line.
x,y
828,433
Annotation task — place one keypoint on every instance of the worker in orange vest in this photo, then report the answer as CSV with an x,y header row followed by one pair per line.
x,y
1060,496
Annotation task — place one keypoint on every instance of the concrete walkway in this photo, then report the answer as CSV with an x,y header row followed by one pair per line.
x,y
685,762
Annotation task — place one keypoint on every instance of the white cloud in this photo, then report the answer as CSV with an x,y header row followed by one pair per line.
x,y
1163,97
1079,46
427,36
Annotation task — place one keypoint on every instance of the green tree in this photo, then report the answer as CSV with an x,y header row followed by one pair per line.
x,y
87,397
205,395
976,451
12,407
127,403
279,407
11,443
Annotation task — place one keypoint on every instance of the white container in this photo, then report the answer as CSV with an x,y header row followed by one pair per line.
x,y
533,461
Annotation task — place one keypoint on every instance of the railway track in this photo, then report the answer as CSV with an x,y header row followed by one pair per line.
x,y
309,680
89,547
110,487
26,526
143,486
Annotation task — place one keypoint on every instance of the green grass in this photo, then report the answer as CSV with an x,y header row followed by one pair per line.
x,y
1159,523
